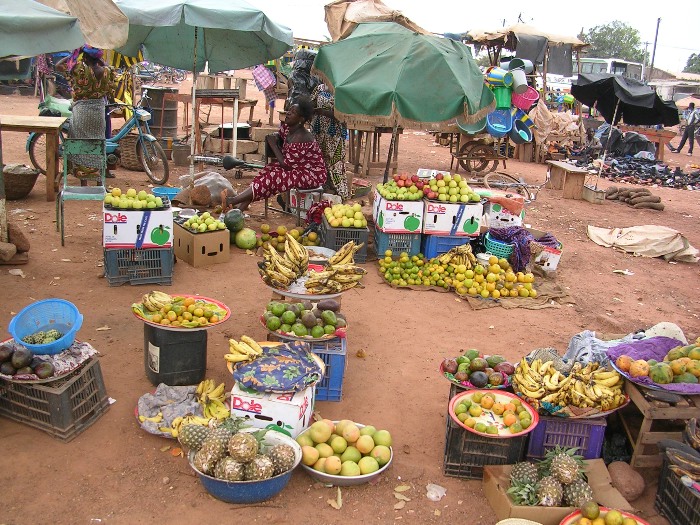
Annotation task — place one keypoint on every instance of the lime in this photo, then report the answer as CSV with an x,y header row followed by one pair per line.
x,y
480,427
317,331
286,328
329,329
276,308
273,323
288,317
491,429
299,329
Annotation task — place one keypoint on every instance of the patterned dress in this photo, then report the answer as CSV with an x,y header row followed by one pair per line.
x,y
307,169
331,136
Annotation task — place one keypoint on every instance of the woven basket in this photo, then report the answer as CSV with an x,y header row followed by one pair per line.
x,y
19,181
129,158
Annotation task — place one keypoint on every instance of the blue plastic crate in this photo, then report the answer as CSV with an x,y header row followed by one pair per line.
x,y
334,354
139,266
397,243
586,434
434,245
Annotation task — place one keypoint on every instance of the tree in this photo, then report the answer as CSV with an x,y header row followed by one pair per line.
x,y
693,64
614,40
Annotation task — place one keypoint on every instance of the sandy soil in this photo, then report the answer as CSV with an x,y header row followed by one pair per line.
x,y
115,473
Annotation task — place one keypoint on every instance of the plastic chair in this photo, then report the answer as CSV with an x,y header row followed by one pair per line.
x,y
88,147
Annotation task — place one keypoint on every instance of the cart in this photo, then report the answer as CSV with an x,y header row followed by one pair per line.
x,y
475,154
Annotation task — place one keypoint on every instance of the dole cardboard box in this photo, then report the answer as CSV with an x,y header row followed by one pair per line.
x,y
548,258
497,482
289,413
397,216
201,249
448,218
502,209
137,228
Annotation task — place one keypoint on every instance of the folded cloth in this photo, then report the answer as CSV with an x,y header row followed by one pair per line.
x,y
172,402
521,239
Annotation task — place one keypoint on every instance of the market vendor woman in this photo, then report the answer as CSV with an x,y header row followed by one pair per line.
x,y
299,163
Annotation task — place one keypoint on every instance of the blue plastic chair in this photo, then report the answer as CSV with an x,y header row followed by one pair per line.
x,y
84,147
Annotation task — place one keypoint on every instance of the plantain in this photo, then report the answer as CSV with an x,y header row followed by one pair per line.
x,y
685,461
347,278
348,269
341,254
678,471
348,286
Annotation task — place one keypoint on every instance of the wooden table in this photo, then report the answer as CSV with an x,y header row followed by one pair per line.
x,y
660,137
50,126
655,414
370,158
567,177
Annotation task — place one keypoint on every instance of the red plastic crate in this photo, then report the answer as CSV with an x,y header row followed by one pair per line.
x,y
586,434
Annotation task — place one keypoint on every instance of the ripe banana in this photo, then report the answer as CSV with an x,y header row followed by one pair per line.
x,y
236,358
544,367
154,419
343,255
252,343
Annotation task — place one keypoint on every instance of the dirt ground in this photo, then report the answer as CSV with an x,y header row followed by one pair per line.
x,y
116,473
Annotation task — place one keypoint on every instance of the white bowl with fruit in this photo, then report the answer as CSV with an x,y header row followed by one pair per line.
x,y
494,414
344,453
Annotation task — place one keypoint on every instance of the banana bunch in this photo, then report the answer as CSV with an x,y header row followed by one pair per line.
x,y
334,279
279,271
346,254
178,422
246,349
583,387
685,464
459,255
212,398
154,301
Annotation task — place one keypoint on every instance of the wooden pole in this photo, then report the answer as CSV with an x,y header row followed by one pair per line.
x,y
394,132
3,209
653,52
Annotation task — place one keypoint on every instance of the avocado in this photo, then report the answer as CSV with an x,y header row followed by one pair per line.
x,y
340,323
340,315
308,319
5,353
24,370
22,357
328,304
479,379
7,369
44,370
316,312
308,305
329,317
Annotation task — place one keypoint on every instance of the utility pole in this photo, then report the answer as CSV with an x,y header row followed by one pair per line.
x,y
653,53
646,60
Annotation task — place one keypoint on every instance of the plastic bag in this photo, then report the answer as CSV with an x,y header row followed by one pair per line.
x,y
213,181
435,492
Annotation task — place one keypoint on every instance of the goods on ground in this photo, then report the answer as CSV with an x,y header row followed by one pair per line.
x,y
204,223
132,199
305,319
246,349
345,216
680,365
21,361
476,370
174,311
635,197
493,414
277,237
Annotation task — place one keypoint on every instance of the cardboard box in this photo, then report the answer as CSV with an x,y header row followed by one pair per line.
x,y
425,173
392,216
289,413
137,229
497,481
201,249
305,200
496,216
447,218
548,258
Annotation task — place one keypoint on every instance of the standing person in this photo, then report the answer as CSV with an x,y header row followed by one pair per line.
x,y
92,83
331,135
693,120
299,161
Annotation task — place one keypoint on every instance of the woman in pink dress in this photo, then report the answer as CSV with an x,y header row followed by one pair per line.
x,y
299,163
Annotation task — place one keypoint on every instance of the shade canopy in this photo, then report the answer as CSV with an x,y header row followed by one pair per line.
x,y
626,99
384,74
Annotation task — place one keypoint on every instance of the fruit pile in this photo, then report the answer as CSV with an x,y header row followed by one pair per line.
x,y
402,188
479,371
507,412
345,216
203,223
247,349
279,271
184,312
497,280
603,516
450,188
277,237
212,397
680,365
132,200
21,361
305,319
340,274
344,448
584,387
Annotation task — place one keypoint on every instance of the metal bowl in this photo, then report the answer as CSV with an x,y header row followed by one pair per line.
x,y
251,491
319,254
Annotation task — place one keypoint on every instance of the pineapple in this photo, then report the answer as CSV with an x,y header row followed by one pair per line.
x,y
192,436
564,465
577,493
243,447
523,492
549,492
260,467
283,458
205,458
524,471
229,469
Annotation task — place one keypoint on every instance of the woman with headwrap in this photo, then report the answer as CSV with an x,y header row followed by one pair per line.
x,y
92,83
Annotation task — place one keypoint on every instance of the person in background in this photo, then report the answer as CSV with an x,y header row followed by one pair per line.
x,y
299,163
92,84
692,119
331,135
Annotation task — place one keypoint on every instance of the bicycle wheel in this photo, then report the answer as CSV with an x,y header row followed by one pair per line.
x,y
478,158
154,161
37,153
505,182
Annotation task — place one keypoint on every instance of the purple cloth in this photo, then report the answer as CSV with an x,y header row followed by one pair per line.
x,y
652,348
521,239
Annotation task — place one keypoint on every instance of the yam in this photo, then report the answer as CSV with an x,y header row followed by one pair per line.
x,y
611,189
650,205
646,198
628,481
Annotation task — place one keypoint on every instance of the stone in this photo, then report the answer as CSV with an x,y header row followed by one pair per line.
x,y
7,251
628,481
17,237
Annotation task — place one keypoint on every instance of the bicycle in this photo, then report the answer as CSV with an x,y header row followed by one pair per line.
x,y
149,151
508,183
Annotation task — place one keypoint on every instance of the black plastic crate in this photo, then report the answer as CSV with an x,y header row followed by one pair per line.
x,y
63,407
139,266
336,238
679,504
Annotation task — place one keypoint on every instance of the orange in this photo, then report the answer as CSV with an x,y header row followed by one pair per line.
x,y
509,419
487,402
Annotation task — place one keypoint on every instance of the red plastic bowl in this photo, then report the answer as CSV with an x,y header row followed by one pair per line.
x,y
574,516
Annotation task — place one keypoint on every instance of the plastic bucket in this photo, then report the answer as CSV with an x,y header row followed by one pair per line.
x,y
175,358
525,100
519,81
520,63
569,99
499,123
520,115
520,134
502,96
497,76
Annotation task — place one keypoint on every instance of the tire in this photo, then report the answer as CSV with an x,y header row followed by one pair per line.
x,y
475,162
37,153
154,161
505,182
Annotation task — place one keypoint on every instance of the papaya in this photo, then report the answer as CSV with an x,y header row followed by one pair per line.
x,y
694,368
624,362
695,353
675,353
685,377
678,367
661,373
639,368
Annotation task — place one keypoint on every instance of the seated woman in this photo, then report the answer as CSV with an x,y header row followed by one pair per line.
x,y
299,163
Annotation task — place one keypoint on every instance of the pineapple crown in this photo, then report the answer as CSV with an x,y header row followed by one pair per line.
x,y
523,493
233,423
545,466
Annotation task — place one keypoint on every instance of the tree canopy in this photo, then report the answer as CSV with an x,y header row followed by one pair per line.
x,y
693,64
614,40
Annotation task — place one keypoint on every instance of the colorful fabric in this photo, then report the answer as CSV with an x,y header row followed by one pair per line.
x,y
86,85
42,65
307,169
331,135
265,81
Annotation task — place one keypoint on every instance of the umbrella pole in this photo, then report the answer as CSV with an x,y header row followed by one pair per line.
x,y
394,132
607,143
195,117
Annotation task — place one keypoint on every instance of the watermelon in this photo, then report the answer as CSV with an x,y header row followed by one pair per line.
x,y
234,220
246,239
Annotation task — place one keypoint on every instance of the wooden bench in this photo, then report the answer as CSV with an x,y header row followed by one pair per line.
x,y
567,177
660,137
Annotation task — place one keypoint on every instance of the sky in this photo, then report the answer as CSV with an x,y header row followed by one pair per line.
x,y
678,36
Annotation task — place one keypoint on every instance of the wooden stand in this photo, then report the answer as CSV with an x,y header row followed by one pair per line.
x,y
564,176
654,413
369,158
660,137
